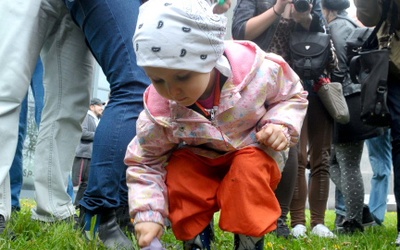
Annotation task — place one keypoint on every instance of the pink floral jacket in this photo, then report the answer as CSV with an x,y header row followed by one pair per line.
x,y
261,89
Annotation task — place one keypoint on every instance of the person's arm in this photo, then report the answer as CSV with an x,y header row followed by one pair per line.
x,y
87,135
369,11
146,157
247,25
286,101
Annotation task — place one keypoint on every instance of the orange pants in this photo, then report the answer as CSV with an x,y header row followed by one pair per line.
x,y
240,184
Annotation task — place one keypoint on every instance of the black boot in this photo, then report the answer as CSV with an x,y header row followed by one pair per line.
x,y
201,241
105,226
243,242
111,234
124,219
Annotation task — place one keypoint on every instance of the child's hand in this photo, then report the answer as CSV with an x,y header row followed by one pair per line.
x,y
222,8
147,231
273,136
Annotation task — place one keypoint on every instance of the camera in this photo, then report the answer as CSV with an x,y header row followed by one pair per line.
x,y
301,5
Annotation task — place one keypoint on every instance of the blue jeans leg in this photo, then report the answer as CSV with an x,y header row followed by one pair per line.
x,y
109,26
380,157
16,172
340,208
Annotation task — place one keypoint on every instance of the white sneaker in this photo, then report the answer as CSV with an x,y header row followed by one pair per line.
x,y
397,242
299,231
322,231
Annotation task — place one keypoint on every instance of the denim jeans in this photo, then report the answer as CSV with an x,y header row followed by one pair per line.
x,y
394,108
109,26
45,28
16,170
380,157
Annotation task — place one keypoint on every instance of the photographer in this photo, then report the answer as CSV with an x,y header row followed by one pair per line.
x,y
269,23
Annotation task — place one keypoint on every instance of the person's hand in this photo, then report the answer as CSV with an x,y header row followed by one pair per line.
x,y
273,136
147,231
280,5
222,8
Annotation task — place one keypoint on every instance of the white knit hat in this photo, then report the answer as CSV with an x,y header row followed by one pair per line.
x,y
179,34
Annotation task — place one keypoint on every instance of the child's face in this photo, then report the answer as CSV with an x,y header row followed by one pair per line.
x,y
183,86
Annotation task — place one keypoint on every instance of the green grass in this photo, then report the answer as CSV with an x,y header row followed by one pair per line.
x,y
32,235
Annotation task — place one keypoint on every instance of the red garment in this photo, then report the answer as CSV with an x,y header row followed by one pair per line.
x,y
241,184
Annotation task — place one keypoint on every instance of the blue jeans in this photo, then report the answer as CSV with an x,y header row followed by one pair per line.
x,y
380,156
340,208
109,26
394,108
16,170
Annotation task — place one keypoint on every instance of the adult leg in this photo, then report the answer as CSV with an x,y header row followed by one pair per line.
x,y
285,189
109,27
298,204
68,79
19,51
16,171
380,157
335,174
352,185
394,108
320,142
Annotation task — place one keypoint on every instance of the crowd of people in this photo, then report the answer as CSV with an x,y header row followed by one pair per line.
x,y
189,108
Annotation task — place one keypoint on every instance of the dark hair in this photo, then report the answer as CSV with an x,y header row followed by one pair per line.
x,y
338,5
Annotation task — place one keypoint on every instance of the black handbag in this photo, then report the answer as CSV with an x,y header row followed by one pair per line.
x,y
370,68
310,53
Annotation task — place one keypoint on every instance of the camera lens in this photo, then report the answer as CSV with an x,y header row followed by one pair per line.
x,y
301,5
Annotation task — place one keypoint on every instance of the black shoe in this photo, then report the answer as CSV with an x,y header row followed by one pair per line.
x,y
201,241
3,224
282,230
339,221
351,226
243,242
367,218
124,219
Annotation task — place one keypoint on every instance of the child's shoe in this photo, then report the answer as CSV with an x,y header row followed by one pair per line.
x,y
201,241
244,242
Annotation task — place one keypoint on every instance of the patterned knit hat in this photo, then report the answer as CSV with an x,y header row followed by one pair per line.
x,y
179,34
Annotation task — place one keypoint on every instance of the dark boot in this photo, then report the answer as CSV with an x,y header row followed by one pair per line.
x,y
111,234
201,241
243,242
124,219
105,226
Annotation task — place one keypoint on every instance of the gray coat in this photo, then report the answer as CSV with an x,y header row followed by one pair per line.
x,y
85,147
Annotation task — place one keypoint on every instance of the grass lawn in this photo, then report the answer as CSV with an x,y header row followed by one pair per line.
x,y
32,235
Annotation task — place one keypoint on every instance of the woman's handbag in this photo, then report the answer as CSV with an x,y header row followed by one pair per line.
x,y
331,95
370,68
